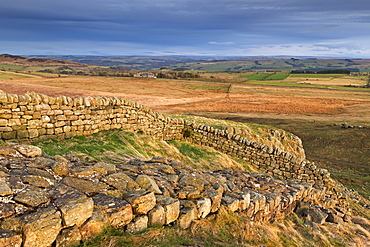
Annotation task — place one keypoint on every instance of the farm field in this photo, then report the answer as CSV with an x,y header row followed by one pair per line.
x,y
314,114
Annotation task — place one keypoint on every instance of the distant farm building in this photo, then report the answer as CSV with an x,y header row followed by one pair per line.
x,y
145,75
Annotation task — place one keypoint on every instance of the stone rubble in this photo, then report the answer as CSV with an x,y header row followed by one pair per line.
x,y
61,200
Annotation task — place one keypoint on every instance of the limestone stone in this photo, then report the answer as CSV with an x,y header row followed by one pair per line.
x,y
190,180
121,181
10,238
148,183
312,214
60,168
4,188
187,215
38,181
204,206
119,212
139,224
171,207
157,216
215,197
68,237
41,228
94,225
28,150
141,201
104,168
81,172
8,151
32,196
6,210
42,162
75,207
189,192
334,218
86,186
231,203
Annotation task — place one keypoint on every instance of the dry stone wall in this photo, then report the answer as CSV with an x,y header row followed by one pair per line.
x,y
34,116
61,201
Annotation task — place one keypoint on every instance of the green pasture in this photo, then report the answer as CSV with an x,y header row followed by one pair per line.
x,y
277,77
11,67
258,77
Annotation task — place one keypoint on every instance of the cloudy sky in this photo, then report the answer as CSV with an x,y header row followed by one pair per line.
x,y
186,27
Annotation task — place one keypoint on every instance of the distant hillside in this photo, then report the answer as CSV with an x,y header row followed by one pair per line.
x,y
57,66
208,63
19,60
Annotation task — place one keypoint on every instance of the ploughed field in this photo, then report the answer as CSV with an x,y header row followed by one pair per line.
x,y
314,114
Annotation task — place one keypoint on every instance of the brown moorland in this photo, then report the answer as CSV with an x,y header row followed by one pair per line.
x,y
178,97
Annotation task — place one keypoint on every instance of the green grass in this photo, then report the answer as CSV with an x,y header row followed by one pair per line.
x,y
258,77
100,146
11,67
277,77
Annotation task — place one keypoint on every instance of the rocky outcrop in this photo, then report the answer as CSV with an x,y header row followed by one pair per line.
x,y
41,206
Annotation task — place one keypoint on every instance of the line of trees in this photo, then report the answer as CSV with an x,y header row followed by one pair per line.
x,y
329,71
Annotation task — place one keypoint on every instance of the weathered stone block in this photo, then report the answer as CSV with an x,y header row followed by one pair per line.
x,y
187,215
121,181
139,224
28,150
157,216
119,212
60,168
32,196
41,228
142,201
4,188
10,238
75,207
94,225
84,185
204,207
171,207
68,237
148,183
